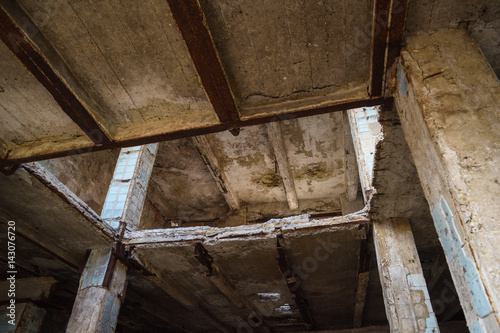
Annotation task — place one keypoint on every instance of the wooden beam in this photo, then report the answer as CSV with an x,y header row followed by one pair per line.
x,y
31,56
207,154
276,139
341,106
387,35
194,30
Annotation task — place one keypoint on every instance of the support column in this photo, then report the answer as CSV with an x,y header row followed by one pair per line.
x,y
448,100
104,279
407,302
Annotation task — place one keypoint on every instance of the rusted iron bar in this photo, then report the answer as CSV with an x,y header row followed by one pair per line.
x,y
194,30
203,130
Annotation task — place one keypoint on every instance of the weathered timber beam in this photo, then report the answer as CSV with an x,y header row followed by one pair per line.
x,y
30,54
276,139
207,154
387,33
363,278
194,30
291,282
341,106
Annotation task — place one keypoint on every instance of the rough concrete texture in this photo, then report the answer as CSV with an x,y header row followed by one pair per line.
x,y
452,102
135,66
480,18
318,251
282,52
398,190
25,104
184,191
88,176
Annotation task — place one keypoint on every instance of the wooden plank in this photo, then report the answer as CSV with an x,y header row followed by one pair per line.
x,y
194,30
276,139
213,165
341,106
29,54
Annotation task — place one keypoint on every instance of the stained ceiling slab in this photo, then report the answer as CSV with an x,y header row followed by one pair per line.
x,y
291,54
324,253
184,188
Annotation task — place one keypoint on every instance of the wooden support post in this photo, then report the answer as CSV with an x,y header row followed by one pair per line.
x,y
407,301
208,156
276,139
447,97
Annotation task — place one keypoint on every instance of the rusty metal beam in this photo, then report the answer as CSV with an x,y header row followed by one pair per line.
x,y
194,30
342,106
387,34
291,282
380,30
29,54
398,20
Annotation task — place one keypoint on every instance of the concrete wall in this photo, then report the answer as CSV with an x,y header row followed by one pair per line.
x,y
86,175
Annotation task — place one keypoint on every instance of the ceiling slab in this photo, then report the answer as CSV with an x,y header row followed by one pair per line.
x,y
54,218
286,51
135,65
24,105
325,251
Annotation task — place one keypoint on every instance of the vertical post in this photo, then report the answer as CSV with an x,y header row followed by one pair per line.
x,y
407,302
447,97
104,279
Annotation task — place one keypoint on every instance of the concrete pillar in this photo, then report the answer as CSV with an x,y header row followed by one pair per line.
x,y
448,100
127,192
100,295
104,280
407,303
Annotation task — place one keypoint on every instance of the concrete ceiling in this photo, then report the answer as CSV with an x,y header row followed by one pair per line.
x,y
83,76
